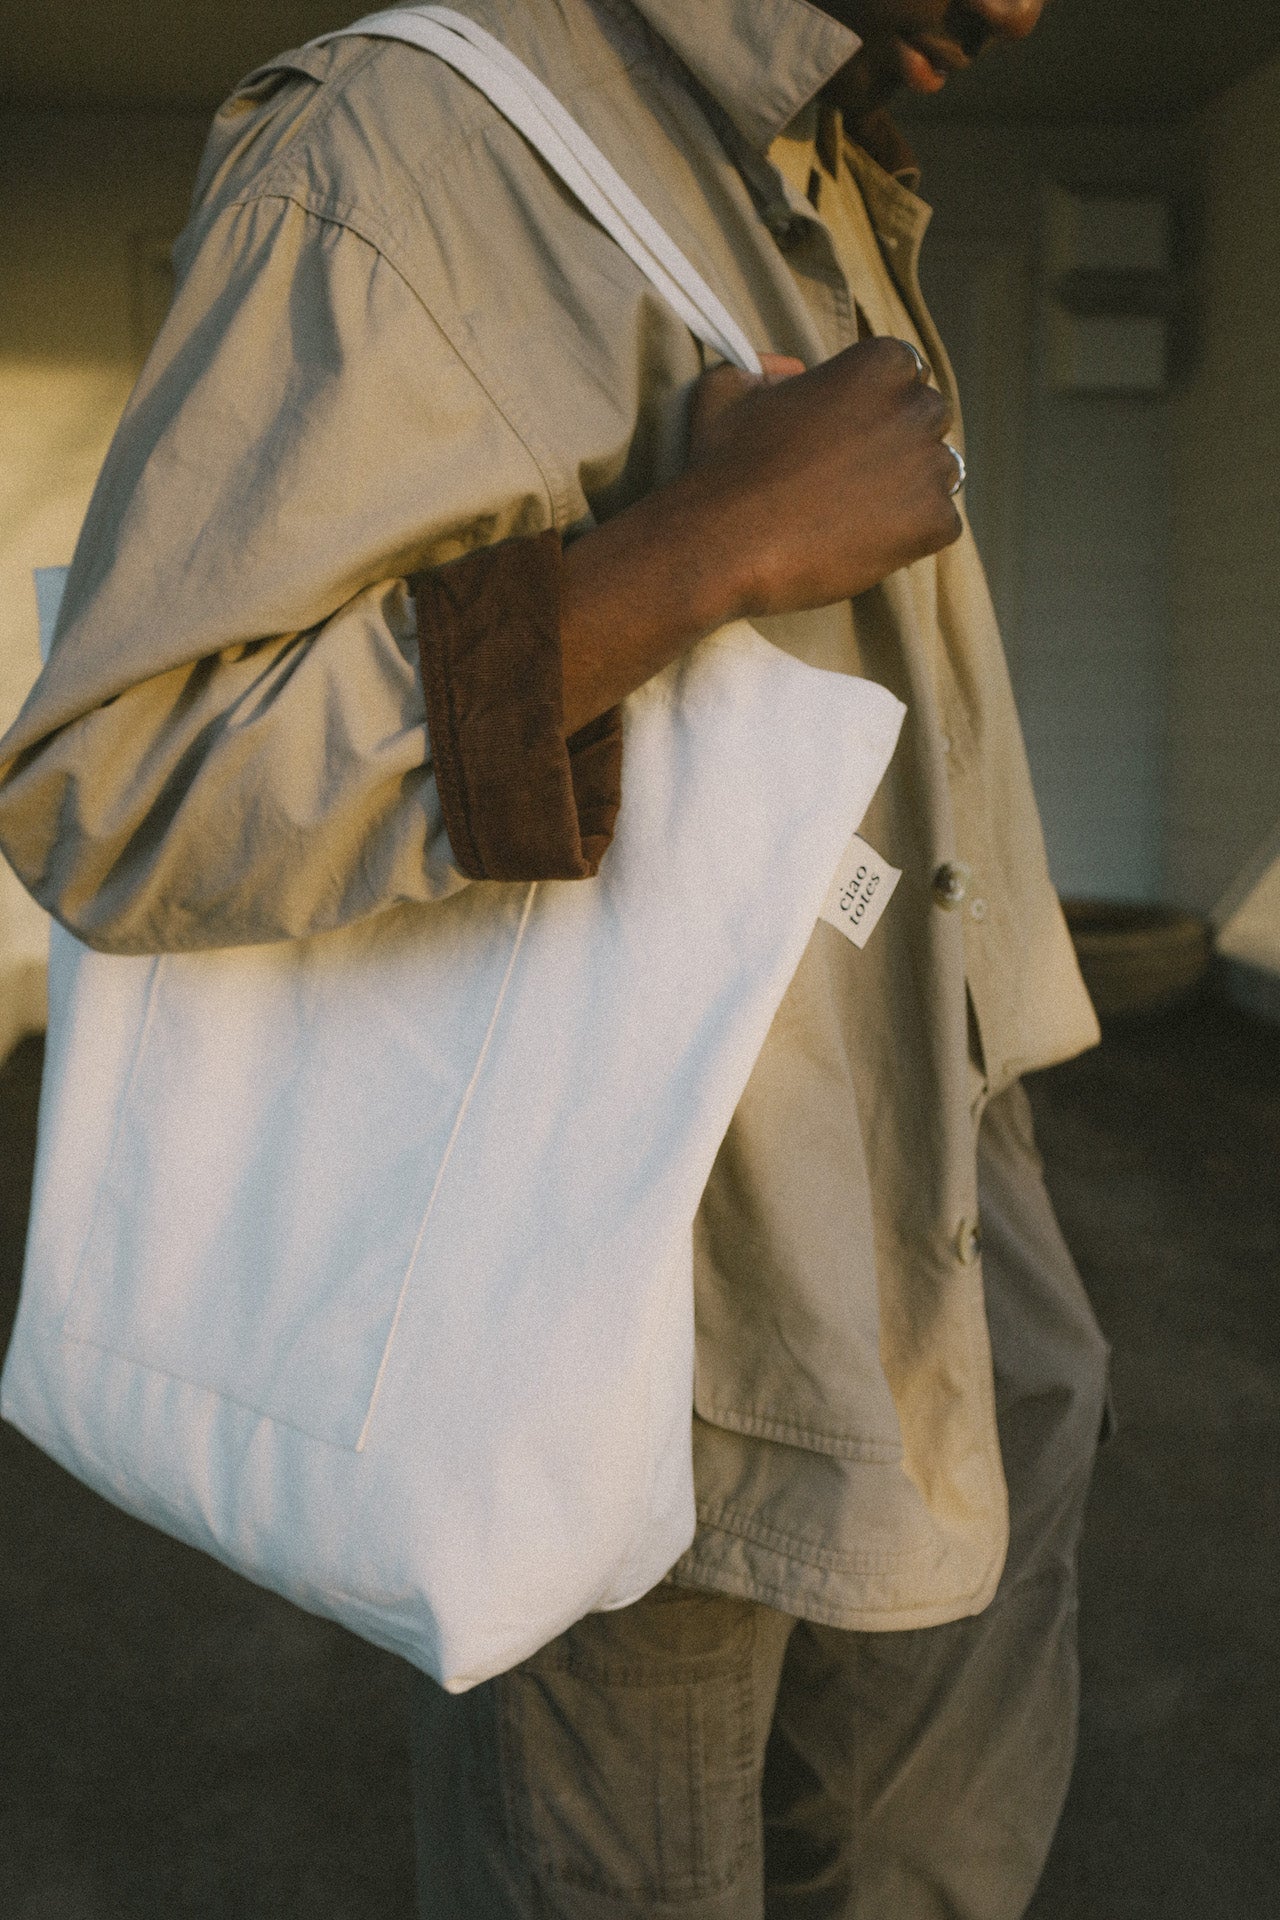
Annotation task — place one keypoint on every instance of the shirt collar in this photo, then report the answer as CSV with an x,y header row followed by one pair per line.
x,y
761,60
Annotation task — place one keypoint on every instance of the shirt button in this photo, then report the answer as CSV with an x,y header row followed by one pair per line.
x,y
951,883
978,909
968,1242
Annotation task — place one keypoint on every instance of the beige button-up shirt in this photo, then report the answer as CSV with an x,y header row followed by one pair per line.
x,y
396,339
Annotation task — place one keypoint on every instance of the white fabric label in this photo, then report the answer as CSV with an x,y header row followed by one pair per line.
x,y
860,892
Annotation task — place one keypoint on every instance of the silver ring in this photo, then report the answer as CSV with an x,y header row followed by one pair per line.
x,y
918,357
962,472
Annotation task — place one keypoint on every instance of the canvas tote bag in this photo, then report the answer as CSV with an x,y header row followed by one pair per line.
x,y
364,1262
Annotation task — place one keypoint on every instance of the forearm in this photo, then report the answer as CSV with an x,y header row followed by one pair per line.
x,y
803,489
635,592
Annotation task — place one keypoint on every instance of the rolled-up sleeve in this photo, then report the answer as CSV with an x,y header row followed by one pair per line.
x,y
308,666
520,800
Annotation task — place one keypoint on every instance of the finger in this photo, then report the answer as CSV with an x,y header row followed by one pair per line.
x,y
718,389
726,381
942,522
929,409
780,366
716,394
949,469
898,364
919,365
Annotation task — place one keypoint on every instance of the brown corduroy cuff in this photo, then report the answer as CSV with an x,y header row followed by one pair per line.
x,y
520,800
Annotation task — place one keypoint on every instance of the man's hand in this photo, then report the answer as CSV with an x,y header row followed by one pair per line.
x,y
824,482
801,490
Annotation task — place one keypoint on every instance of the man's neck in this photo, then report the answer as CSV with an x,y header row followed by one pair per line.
x,y
880,135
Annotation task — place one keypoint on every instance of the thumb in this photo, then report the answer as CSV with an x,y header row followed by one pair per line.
x,y
716,391
779,366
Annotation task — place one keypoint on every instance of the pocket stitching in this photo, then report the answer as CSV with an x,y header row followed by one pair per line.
x,y
700,1880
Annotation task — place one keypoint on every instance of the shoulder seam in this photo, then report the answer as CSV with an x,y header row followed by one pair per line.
x,y
453,330
324,109
276,178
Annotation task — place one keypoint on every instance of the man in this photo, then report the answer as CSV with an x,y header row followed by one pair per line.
x,y
419,482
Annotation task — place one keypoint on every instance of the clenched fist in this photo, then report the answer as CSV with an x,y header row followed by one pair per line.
x,y
801,489
828,481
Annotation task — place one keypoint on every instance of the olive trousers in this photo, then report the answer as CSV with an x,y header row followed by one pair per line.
x,y
703,1757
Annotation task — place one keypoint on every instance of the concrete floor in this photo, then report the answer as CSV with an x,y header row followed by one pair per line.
x,y
179,1746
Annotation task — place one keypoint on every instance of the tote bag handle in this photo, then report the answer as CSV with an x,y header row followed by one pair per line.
x,y
531,107
571,154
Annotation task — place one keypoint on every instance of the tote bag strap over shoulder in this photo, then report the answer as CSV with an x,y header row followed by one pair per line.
x,y
571,154
522,99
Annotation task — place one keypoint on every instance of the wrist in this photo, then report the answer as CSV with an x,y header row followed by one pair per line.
x,y
639,589
708,556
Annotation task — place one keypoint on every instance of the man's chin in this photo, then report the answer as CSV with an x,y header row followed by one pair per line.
x,y
882,72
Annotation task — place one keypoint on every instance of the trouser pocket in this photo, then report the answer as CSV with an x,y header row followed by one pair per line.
x,y
629,1755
